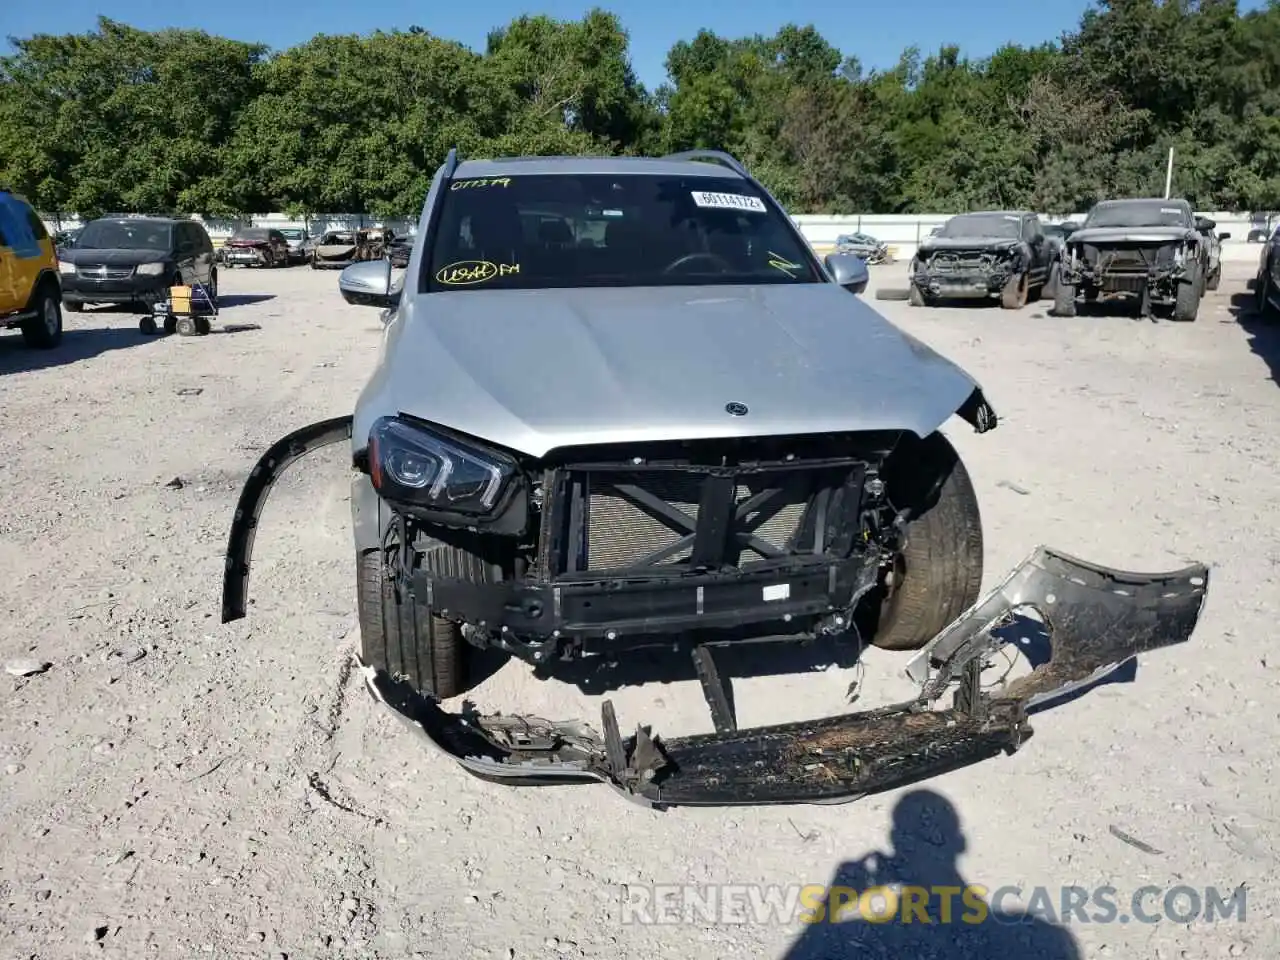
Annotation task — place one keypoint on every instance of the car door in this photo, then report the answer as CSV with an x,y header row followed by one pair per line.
x,y
1273,259
1033,234
184,253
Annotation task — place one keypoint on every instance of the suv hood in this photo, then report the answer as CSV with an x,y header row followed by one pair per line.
x,y
934,244
1128,234
536,370
115,258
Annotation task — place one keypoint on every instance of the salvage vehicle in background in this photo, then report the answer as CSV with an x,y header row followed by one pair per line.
x,y
1002,253
299,242
30,289
133,261
1213,251
399,251
256,247
338,248
1153,250
653,437
863,245
1266,283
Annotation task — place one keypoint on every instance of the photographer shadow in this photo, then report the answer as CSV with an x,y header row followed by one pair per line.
x,y
927,842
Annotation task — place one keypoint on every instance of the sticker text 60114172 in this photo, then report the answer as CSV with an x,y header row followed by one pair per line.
x,y
729,201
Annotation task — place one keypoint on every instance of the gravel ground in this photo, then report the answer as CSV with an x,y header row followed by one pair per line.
x,y
173,787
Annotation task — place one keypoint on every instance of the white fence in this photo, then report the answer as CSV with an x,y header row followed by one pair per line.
x,y
902,232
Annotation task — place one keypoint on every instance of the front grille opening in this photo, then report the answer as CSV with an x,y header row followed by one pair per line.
x,y
633,520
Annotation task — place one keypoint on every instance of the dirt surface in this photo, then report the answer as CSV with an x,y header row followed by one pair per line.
x,y
172,787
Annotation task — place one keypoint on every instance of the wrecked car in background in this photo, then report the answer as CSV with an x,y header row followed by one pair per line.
x,y
256,247
863,245
1152,250
300,243
338,248
655,441
1002,253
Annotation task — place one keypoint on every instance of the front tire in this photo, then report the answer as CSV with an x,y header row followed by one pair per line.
x,y
404,638
44,330
1064,300
938,572
1014,294
915,296
1215,280
1186,303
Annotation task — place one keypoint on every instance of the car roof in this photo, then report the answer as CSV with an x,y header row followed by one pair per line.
x,y
997,213
160,221
1165,200
608,166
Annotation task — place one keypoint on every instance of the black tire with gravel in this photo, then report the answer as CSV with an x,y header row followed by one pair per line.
x,y
44,330
408,640
916,297
1014,294
939,570
1215,280
1186,302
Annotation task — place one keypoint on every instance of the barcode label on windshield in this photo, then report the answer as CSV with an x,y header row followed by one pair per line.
x,y
729,201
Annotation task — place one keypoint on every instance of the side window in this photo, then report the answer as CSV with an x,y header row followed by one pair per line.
x,y
1030,227
37,225
203,244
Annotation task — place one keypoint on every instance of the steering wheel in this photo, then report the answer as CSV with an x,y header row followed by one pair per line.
x,y
688,258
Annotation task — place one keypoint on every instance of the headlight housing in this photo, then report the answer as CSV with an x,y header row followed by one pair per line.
x,y
150,269
66,268
444,477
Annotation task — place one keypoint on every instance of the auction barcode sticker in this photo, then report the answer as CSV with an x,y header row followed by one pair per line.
x,y
729,201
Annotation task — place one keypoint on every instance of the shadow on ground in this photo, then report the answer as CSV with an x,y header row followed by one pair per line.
x,y
230,300
933,913
1264,335
76,345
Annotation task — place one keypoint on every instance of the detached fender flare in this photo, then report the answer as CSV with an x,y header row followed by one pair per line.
x,y
278,458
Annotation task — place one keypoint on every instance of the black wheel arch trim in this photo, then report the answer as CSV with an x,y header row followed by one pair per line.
x,y
253,497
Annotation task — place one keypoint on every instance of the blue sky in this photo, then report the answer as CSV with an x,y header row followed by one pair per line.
x,y
875,31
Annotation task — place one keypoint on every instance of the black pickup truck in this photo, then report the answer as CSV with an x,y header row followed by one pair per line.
x,y
1002,253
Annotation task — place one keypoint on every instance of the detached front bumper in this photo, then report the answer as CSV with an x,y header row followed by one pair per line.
x,y
1075,621
1095,619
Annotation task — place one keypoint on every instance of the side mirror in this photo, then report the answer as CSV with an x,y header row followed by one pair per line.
x,y
935,231
1224,236
1204,224
1069,226
849,271
368,284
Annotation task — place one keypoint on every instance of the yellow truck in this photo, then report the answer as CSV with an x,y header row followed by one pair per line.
x,y
30,287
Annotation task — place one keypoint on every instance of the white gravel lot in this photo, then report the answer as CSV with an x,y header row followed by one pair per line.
x,y
172,787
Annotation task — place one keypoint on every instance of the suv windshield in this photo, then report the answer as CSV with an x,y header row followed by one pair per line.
x,y
1138,213
607,230
114,235
1002,225
292,234
252,233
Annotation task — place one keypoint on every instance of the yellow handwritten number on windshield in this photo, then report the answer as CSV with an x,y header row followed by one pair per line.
x,y
466,273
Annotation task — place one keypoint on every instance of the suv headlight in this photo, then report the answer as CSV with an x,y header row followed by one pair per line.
x,y
150,269
415,466
67,268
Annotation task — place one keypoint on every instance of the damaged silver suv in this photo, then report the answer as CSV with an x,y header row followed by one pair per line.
x,y
621,404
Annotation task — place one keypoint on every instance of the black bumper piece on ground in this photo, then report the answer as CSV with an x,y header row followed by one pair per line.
x,y
1093,618
1075,621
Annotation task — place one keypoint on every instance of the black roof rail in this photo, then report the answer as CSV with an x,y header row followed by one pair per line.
x,y
718,156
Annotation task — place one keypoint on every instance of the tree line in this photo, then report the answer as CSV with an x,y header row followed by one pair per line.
x,y
121,119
